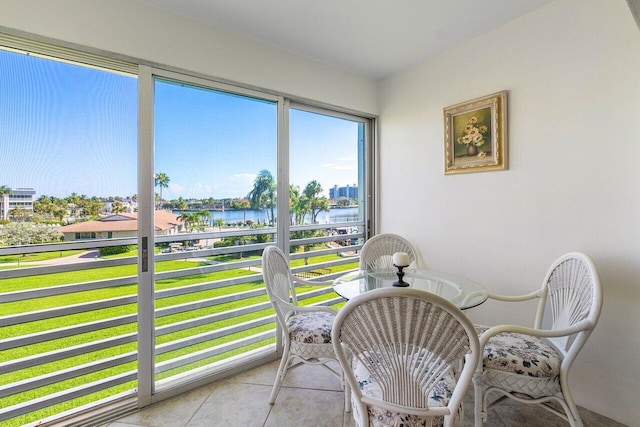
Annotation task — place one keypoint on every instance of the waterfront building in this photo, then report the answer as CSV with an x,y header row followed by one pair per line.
x,y
21,198
350,192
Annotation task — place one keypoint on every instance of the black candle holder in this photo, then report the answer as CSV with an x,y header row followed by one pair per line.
x,y
400,282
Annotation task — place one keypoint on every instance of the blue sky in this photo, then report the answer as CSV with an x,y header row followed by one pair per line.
x,y
65,129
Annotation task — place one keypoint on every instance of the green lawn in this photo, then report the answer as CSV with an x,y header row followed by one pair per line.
x,y
43,256
56,279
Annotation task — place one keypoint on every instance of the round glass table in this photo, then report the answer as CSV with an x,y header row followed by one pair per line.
x,y
464,293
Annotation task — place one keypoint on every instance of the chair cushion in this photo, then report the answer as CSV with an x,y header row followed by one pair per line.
x,y
379,417
310,327
520,354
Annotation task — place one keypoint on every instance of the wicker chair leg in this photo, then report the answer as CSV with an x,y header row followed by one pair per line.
x,y
479,413
347,395
282,372
569,404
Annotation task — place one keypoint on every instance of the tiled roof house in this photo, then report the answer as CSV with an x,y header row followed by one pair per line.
x,y
120,225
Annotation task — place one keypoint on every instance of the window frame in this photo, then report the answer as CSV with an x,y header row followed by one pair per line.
x,y
145,73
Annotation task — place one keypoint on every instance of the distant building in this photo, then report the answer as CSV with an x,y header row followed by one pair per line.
x,y
350,192
121,225
128,203
21,198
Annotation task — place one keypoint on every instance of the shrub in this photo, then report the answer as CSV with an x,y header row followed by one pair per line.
x,y
115,250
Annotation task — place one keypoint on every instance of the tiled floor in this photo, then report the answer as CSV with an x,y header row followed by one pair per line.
x,y
311,397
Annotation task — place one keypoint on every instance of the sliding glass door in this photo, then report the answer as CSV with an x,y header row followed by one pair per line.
x,y
214,211
135,203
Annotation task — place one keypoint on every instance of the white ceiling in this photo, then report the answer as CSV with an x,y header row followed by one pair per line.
x,y
372,38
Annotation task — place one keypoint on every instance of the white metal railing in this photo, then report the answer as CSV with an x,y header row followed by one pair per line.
x,y
66,343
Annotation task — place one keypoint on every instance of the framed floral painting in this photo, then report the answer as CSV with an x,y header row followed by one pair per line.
x,y
475,135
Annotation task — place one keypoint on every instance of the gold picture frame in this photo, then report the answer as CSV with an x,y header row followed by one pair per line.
x,y
475,135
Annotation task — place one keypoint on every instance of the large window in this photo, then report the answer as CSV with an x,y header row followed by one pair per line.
x,y
68,134
135,204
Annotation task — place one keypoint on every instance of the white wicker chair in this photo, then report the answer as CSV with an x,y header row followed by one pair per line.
x,y
531,365
306,331
377,252
401,351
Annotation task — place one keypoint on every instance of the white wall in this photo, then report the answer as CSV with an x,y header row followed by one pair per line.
x,y
130,28
571,69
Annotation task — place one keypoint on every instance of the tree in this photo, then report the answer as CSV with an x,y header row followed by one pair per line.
x,y
118,208
161,180
317,203
4,191
264,192
218,222
298,205
91,207
182,204
73,202
190,219
19,214
44,206
242,204
205,216
28,234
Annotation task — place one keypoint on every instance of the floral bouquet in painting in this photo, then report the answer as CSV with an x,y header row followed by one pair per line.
x,y
473,136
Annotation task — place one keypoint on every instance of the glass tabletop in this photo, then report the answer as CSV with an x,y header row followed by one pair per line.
x,y
462,292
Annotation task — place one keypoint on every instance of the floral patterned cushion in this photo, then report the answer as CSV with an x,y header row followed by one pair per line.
x,y
311,327
380,417
520,354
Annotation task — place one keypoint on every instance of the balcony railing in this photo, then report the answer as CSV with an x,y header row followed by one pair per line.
x,y
68,330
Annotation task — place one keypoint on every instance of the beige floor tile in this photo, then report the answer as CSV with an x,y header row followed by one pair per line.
x,y
234,404
303,376
312,377
522,416
591,419
311,396
262,375
304,407
174,412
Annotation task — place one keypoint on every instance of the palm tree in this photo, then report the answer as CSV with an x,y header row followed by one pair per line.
x,y
218,222
205,216
243,204
4,191
73,202
317,203
118,208
264,192
190,219
91,207
161,180
181,204
298,205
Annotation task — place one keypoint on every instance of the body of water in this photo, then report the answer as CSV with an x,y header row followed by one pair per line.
x,y
235,216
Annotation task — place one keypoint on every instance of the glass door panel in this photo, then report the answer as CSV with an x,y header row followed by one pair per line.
x,y
67,237
215,183
327,188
